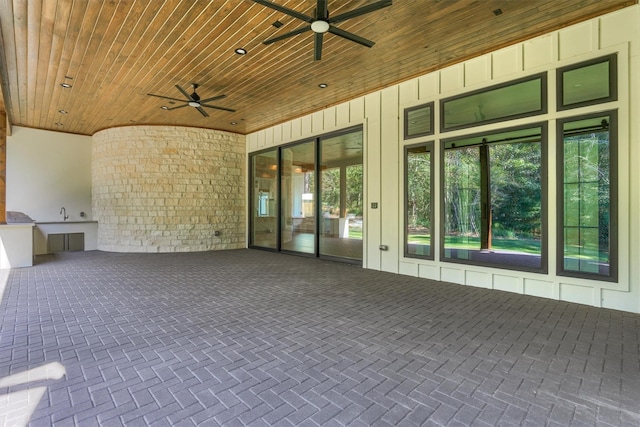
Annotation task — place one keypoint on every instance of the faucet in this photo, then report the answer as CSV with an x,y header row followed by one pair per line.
x,y
63,212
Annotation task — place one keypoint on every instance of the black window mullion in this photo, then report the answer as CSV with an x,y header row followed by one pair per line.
x,y
279,199
318,195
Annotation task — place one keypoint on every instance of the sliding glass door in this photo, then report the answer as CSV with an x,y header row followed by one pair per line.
x,y
297,198
341,196
308,197
264,199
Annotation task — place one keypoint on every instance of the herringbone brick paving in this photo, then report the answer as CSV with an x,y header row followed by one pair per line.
x,y
254,338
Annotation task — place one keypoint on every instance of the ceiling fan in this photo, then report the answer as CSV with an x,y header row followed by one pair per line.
x,y
194,100
322,23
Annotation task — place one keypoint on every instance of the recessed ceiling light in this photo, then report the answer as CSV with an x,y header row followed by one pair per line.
x,y
164,107
497,12
234,123
322,85
241,51
58,124
63,112
65,85
277,24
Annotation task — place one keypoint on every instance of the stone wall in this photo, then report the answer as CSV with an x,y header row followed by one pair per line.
x,y
168,189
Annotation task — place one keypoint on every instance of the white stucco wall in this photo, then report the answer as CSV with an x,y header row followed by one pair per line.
x,y
380,113
46,171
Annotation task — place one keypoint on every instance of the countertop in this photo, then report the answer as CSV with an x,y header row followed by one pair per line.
x,y
66,222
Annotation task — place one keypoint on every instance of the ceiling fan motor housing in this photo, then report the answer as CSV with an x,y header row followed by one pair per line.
x,y
195,97
193,100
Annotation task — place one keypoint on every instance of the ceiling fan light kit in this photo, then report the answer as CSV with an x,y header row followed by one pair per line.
x,y
320,27
323,23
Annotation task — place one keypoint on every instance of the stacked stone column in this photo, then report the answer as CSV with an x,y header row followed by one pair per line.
x,y
168,189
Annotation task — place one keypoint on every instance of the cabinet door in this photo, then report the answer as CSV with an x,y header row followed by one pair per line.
x,y
56,243
75,242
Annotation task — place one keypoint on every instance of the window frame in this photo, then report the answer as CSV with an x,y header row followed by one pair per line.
x,y
614,239
544,199
613,82
429,148
543,103
431,106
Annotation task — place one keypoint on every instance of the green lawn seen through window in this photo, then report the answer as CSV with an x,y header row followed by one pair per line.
x,y
530,246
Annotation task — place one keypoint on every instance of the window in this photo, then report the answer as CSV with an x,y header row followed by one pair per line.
x,y
418,196
587,197
494,190
418,121
587,83
525,97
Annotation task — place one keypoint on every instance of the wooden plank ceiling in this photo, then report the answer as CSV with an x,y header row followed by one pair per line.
x,y
114,52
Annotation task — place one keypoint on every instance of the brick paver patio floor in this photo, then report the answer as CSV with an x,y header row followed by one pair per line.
x,y
254,338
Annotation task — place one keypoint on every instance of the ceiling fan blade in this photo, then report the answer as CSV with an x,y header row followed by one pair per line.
x,y
179,106
292,33
166,97
184,92
285,10
321,10
360,11
215,98
350,36
217,108
317,47
204,113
